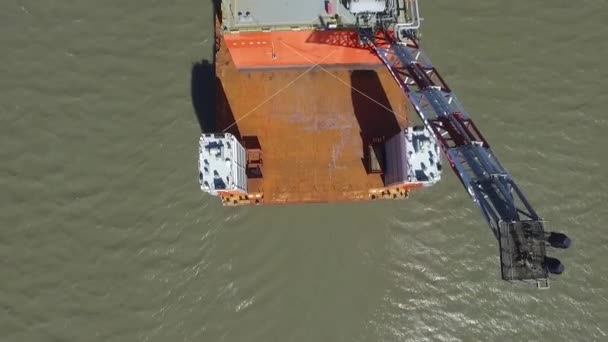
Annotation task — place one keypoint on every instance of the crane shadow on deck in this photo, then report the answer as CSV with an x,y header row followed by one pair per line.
x,y
374,114
345,38
211,106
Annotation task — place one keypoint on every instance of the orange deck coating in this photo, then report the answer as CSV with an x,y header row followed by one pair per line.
x,y
312,125
280,49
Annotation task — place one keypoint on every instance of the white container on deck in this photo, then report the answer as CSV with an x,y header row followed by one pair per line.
x,y
369,6
412,156
222,162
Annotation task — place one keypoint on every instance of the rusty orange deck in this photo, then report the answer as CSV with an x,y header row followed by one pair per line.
x,y
312,126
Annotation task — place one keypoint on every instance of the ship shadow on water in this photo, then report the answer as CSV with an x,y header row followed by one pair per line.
x,y
211,106
376,118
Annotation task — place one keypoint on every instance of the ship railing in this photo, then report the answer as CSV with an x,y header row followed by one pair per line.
x,y
412,19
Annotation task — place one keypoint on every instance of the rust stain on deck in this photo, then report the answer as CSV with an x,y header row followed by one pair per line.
x,y
312,127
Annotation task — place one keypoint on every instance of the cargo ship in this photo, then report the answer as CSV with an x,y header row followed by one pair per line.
x,y
305,111
310,107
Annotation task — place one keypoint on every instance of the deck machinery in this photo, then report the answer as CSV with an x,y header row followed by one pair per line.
x,y
392,35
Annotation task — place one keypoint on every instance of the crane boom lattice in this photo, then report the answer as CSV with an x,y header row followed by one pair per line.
x,y
518,228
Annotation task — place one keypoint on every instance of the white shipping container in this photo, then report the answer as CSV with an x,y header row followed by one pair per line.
x,y
222,162
412,155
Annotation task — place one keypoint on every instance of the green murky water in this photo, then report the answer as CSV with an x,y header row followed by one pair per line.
x,y
105,235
